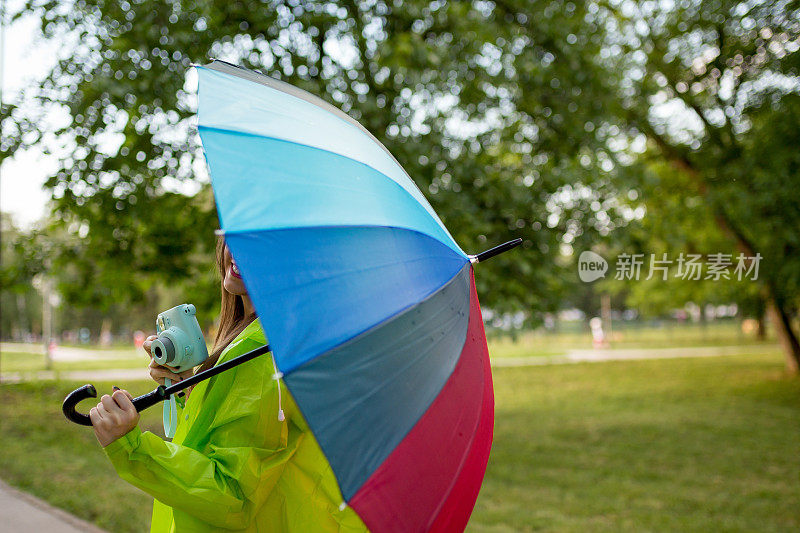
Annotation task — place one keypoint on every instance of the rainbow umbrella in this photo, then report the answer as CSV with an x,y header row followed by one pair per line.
x,y
369,304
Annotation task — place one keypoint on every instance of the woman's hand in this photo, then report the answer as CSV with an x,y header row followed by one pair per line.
x,y
113,417
159,372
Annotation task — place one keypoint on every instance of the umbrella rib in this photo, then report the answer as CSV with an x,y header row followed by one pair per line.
x,y
464,457
291,90
383,322
374,326
366,269
245,232
429,210
341,413
262,79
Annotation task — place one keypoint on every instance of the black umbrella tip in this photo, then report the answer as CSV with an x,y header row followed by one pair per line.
x,y
497,250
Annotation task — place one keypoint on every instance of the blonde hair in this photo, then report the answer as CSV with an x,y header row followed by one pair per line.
x,y
232,318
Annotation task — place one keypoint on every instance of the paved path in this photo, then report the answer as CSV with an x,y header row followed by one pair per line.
x,y
122,375
72,353
23,513
632,354
571,357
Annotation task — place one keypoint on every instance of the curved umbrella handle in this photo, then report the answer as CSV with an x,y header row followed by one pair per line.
x,y
72,399
158,395
88,391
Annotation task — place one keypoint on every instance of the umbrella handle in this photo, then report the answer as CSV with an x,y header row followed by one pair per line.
x,y
88,391
158,395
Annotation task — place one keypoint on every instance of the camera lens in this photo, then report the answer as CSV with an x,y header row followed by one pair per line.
x,y
169,349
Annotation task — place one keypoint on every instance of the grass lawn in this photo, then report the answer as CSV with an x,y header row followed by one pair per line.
x,y
707,444
669,445
63,463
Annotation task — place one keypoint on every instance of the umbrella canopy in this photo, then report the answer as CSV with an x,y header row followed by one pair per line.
x,y
368,303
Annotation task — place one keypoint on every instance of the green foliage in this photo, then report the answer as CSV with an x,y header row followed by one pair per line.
x,y
515,118
733,68
22,256
713,86
487,108
678,224
760,191
21,260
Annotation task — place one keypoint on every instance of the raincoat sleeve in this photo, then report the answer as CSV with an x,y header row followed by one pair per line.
x,y
246,452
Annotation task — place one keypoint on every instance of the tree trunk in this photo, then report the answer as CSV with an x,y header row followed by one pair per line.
x,y
787,337
22,317
105,332
761,327
778,315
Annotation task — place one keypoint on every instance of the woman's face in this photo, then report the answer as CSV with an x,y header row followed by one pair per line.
x,y
233,281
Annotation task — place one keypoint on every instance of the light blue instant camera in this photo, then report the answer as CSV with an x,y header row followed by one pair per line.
x,y
180,345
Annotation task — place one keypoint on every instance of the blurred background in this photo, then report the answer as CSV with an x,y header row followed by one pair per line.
x,y
648,132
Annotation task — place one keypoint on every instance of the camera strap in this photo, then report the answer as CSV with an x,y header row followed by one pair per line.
x,y
170,416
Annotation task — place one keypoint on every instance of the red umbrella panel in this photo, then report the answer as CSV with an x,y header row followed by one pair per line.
x,y
431,480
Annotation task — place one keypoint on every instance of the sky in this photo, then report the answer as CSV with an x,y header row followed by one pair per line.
x,y
25,59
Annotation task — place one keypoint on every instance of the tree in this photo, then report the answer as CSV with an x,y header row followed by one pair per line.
x,y
467,96
676,231
715,91
21,259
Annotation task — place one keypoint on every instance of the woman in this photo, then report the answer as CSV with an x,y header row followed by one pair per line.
x,y
241,458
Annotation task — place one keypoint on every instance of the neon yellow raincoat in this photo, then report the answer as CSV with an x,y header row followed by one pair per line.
x,y
232,464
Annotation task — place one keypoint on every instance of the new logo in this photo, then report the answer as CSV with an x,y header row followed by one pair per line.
x,y
591,266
